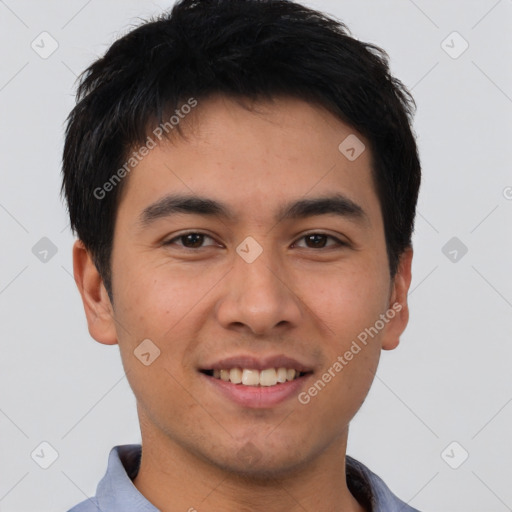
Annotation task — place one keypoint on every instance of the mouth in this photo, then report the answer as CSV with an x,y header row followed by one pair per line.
x,y
260,378
256,382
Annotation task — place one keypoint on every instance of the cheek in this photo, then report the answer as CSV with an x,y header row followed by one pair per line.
x,y
153,298
164,304
154,306
346,301
344,308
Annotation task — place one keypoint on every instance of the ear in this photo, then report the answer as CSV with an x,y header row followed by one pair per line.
x,y
97,305
398,302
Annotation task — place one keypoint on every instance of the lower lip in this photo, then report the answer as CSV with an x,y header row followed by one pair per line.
x,y
258,397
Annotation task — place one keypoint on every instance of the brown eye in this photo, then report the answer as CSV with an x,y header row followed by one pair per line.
x,y
319,241
316,240
192,240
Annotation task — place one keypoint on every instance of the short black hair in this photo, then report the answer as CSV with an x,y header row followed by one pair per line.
x,y
246,49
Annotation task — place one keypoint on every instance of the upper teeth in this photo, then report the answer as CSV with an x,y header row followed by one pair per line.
x,y
251,377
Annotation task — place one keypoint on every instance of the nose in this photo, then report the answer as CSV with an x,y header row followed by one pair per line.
x,y
258,297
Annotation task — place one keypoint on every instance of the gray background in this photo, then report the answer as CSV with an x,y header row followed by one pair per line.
x,y
448,381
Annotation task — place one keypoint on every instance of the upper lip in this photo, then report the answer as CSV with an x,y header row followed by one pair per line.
x,y
258,363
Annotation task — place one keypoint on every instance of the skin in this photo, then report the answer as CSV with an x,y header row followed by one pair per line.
x,y
298,299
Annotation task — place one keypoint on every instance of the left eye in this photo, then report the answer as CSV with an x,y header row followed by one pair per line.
x,y
319,240
194,240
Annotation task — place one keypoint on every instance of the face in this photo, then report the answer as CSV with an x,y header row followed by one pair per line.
x,y
250,282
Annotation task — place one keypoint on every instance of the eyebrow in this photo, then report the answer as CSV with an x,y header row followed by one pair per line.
x,y
173,204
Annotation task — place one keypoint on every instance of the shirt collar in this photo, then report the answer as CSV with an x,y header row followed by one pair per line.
x,y
116,491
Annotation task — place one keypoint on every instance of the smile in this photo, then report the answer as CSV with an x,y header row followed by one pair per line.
x,y
255,389
253,377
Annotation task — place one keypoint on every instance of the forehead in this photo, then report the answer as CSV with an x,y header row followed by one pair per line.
x,y
256,157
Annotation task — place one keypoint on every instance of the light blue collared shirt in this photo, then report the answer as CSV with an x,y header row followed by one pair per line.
x,y
116,492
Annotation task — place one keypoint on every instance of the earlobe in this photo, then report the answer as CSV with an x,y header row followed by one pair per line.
x,y
398,306
97,305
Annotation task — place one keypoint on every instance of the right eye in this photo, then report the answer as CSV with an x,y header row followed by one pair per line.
x,y
190,240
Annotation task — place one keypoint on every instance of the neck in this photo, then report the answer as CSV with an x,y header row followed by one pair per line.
x,y
174,479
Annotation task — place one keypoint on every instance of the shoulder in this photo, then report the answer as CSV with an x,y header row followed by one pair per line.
x,y
115,490
88,505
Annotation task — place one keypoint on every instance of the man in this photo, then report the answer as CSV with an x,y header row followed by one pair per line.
x,y
242,177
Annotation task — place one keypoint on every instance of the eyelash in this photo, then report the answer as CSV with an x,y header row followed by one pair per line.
x,y
338,241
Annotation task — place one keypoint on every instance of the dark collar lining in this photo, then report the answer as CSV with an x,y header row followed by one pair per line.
x,y
131,462
358,484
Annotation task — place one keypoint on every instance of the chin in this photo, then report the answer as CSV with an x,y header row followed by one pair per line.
x,y
262,465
